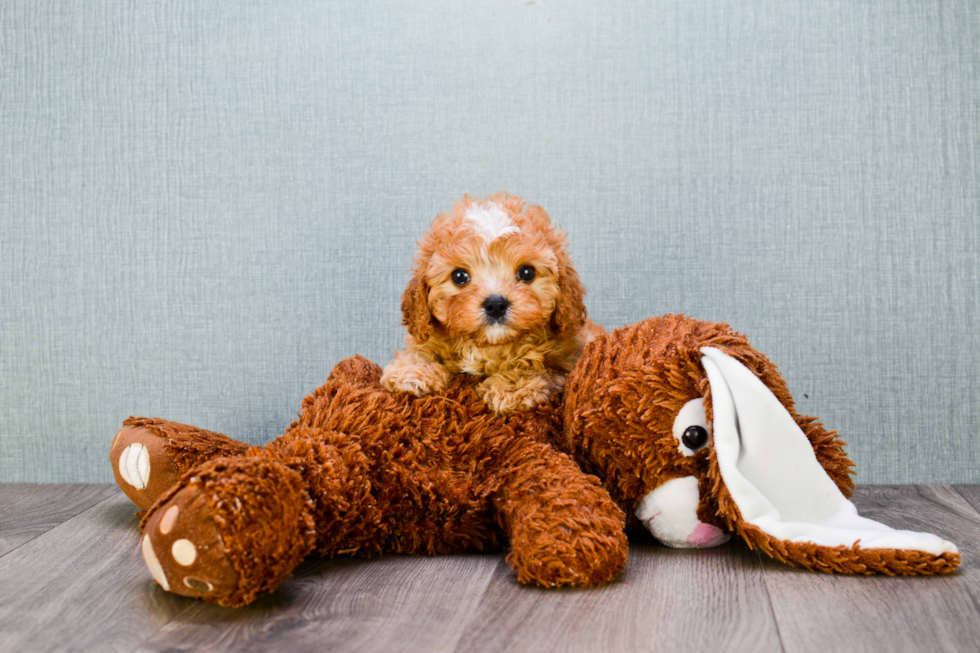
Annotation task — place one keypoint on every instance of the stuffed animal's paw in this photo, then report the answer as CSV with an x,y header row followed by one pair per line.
x,y
183,549
143,467
565,530
230,531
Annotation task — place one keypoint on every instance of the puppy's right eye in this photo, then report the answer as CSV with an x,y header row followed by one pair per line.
x,y
461,277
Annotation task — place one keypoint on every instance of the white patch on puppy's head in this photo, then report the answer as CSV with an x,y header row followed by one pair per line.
x,y
490,219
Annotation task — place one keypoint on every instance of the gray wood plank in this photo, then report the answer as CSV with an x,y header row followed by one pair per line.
x,y
28,509
818,612
666,600
971,493
82,586
392,603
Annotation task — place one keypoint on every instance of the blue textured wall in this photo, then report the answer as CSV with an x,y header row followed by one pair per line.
x,y
205,205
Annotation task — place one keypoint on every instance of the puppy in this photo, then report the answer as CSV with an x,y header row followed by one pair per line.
x,y
493,295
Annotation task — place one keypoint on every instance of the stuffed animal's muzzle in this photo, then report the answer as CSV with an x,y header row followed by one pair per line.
x,y
671,514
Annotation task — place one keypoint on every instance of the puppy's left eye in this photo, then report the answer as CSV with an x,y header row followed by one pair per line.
x,y
526,273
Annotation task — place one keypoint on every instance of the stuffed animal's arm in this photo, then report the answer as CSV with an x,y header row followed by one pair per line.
x,y
563,526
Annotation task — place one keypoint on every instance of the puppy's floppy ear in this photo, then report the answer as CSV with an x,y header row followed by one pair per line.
x,y
569,316
415,309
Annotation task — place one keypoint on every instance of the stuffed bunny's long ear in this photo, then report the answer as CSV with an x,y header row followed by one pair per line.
x,y
786,503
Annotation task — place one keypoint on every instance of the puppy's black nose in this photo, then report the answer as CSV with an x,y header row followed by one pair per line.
x,y
495,306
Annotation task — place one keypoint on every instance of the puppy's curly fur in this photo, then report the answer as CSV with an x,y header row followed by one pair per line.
x,y
495,249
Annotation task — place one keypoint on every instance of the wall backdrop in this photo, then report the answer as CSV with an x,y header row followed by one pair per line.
x,y
205,205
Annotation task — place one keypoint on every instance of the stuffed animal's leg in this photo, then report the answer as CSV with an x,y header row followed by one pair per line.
x,y
564,528
336,476
148,455
228,531
234,528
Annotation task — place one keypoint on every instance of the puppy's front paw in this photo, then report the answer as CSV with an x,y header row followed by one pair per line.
x,y
418,379
523,393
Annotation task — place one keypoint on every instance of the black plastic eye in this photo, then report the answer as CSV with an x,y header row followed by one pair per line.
x,y
526,273
694,437
461,277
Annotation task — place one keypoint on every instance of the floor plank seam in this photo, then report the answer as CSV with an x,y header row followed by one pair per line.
x,y
113,497
973,598
976,510
772,608
142,645
476,605
60,524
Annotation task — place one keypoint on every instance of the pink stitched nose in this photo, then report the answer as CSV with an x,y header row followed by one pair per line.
x,y
705,535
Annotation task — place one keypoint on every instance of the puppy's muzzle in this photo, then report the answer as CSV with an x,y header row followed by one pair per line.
x,y
495,307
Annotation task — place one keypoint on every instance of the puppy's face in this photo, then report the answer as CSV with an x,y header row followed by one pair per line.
x,y
495,280
492,271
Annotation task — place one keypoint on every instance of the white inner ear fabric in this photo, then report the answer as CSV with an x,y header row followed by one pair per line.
x,y
773,475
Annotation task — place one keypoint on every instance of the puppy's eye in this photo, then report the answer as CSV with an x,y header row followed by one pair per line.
x,y
461,277
526,273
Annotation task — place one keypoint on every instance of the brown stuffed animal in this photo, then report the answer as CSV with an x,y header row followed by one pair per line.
x,y
695,433
365,471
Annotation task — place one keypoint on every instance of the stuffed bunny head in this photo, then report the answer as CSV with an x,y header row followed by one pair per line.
x,y
695,433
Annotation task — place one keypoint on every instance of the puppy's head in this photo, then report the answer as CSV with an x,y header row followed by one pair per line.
x,y
493,270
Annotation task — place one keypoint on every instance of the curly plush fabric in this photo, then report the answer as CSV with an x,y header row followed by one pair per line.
x,y
363,471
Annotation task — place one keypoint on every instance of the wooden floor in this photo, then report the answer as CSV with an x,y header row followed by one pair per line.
x,y
72,578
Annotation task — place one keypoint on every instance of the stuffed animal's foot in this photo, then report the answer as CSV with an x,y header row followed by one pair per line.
x,y
183,549
149,455
143,467
232,530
